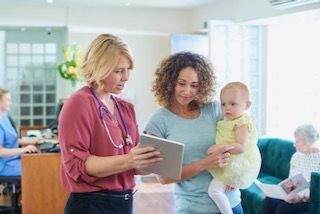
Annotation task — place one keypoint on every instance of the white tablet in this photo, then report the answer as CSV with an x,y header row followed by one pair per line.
x,y
171,152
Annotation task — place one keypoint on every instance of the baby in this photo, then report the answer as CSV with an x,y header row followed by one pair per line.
x,y
238,129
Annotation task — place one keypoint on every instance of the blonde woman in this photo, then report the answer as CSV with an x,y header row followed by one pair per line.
x,y
99,135
10,163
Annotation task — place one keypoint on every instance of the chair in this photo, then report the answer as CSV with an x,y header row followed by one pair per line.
x,y
13,184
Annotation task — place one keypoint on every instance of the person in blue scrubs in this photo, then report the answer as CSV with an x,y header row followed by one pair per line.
x,y
10,163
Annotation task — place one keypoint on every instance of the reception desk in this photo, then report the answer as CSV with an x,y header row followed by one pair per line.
x,y
41,189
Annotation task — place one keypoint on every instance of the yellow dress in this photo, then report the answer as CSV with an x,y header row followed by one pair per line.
x,y
243,168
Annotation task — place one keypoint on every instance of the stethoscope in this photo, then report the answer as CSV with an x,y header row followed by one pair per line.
x,y
102,110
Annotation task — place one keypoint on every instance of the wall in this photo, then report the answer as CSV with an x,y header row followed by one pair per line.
x,y
146,30
221,10
261,12
298,102
148,33
241,11
32,16
2,39
125,19
248,10
149,39
148,52
130,20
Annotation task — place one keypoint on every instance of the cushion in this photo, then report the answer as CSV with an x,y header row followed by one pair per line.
x,y
276,154
268,179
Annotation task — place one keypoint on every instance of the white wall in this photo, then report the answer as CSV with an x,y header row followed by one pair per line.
x,y
32,16
241,11
222,10
147,31
2,40
125,18
131,20
294,90
248,10
148,51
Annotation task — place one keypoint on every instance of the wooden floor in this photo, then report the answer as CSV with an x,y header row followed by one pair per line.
x,y
153,197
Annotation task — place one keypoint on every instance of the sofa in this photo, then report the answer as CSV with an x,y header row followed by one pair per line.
x,y
276,154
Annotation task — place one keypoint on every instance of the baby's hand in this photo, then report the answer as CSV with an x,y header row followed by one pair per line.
x,y
219,147
228,188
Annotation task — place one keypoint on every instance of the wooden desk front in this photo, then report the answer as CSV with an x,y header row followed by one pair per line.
x,y
41,190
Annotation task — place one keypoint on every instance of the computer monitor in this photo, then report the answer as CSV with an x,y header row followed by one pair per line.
x,y
54,124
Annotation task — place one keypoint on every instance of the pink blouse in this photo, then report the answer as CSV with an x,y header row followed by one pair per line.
x,y
82,134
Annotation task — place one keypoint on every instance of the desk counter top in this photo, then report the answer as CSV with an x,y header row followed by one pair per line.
x,y
41,155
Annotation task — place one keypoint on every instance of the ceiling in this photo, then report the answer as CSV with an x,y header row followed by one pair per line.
x,y
114,3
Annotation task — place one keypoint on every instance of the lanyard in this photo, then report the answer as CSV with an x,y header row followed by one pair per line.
x,y
102,109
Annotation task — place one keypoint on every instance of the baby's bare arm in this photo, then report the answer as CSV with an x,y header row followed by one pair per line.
x,y
242,135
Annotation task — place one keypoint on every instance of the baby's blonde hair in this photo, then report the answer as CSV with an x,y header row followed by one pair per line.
x,y
102,57
241,87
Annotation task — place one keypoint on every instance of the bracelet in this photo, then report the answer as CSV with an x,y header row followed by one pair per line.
x,y
304,198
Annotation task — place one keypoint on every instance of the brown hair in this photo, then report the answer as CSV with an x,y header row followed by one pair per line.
x,y
169,70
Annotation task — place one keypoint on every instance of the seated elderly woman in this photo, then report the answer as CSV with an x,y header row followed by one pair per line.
x,y
10,163
305,160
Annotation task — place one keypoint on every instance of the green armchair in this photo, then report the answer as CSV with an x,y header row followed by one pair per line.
x,y
276,154
314,205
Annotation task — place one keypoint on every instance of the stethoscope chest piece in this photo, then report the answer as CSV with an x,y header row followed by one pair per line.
x,y
129,140
102,110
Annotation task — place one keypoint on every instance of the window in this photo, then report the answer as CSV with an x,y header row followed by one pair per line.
x,y
30,61
293,74
236,53
190,42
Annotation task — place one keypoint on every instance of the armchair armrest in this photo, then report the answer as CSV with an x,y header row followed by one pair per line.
x,y
314,204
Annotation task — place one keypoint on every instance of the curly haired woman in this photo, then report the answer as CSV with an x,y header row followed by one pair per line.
x,y
184,85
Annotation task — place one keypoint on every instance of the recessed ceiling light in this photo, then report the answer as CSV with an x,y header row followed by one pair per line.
x,y
127,3
50,1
